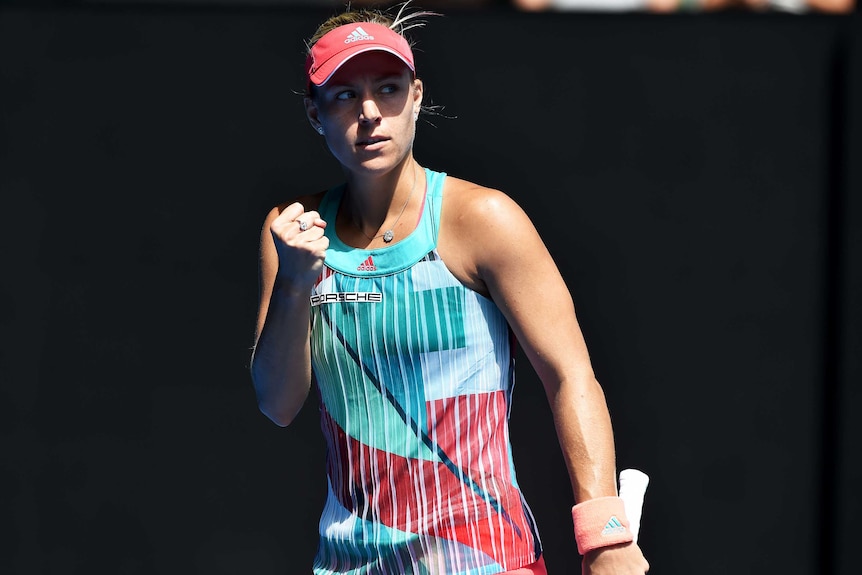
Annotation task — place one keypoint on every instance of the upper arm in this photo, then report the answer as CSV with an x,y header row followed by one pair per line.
x,y
267,269
519,274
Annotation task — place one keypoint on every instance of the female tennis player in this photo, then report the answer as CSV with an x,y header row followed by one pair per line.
x,y
398,293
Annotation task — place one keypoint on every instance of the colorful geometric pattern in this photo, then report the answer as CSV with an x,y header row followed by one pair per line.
x,y
415,389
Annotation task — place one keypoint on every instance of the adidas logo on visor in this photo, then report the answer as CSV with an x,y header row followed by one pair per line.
x,y
358,34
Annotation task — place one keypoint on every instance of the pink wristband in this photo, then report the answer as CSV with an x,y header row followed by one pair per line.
x,y
600,522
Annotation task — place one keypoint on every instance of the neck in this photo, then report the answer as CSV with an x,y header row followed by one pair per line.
x,y
375,201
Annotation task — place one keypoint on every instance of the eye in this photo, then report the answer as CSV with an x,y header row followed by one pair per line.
x,y
345,95
389,88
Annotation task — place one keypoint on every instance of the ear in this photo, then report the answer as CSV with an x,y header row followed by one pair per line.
x,y
312,113
417,95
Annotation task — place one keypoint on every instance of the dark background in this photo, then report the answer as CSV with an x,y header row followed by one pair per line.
x,y
696,177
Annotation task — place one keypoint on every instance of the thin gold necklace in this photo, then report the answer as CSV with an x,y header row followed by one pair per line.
x,y
389,235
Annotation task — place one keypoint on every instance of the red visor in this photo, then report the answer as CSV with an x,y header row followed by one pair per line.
x,y
343,43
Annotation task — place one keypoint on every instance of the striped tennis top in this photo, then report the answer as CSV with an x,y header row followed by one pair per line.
x,y
415,375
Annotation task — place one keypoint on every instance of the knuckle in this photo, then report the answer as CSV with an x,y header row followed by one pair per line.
x,y
290,213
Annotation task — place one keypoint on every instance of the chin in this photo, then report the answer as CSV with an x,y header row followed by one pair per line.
x,y
374,166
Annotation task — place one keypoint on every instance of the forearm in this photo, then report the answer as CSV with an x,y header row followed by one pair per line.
x,y
586,437
281,362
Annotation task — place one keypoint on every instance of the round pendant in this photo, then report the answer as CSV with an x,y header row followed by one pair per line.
x,y
387,236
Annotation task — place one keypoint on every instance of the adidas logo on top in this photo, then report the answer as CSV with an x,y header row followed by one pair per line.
x,y
358,34
613,527
367,266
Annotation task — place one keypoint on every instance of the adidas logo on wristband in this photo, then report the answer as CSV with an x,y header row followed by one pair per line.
x,y
613,527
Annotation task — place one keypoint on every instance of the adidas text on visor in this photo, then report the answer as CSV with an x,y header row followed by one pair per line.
x,y
343,43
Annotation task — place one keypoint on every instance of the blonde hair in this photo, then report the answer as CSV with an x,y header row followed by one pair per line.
x,y
400,22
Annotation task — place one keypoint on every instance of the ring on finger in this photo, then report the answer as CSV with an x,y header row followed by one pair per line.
x,y
302,225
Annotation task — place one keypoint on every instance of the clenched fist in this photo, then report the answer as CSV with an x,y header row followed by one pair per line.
x,y
300,243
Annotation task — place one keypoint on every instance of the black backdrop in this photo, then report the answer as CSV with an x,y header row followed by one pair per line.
x,y
696,178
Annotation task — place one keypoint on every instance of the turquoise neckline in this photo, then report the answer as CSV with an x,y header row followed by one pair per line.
x,y
388,259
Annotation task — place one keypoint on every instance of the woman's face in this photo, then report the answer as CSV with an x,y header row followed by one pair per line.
x,y
367,111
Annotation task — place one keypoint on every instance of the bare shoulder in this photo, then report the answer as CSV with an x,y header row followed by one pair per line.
x,y
479,227
466,204
309,202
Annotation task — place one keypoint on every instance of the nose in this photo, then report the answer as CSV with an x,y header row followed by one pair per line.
x,y
369,112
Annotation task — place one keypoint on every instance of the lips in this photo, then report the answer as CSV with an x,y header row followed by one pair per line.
x,y
371,141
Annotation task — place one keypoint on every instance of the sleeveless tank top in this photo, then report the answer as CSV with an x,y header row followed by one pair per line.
x,y
415,377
